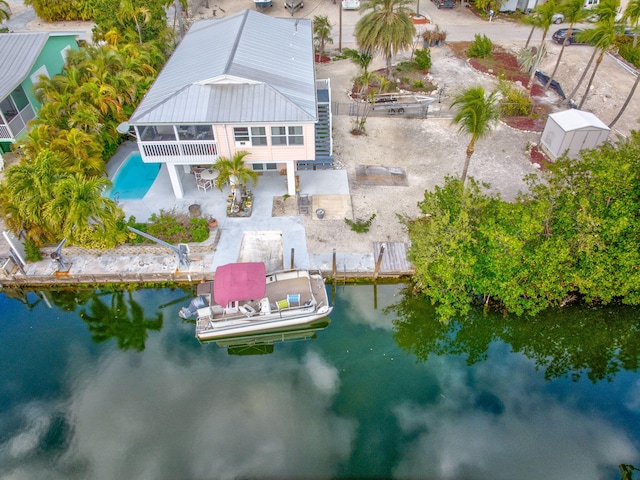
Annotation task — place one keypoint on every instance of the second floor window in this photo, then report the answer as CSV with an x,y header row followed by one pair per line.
x,y
287,136
256,136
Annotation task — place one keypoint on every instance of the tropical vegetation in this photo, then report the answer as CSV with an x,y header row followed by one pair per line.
x,y
56,190
573,236
321,33
477,113
236,173
5,11
385,28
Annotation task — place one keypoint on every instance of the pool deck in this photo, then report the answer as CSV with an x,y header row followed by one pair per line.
x,y
260,237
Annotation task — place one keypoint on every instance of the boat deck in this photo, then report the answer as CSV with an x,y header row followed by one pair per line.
x,y
310,289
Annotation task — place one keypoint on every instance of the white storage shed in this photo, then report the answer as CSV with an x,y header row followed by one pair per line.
x,y
571,131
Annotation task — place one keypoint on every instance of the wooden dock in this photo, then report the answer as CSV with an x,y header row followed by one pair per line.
x,y
394,258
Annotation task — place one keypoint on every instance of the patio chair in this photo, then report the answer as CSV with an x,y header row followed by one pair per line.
x,y
204,184
293,298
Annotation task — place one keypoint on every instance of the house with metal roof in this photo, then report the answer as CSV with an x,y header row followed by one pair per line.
x,y
24,57
240,83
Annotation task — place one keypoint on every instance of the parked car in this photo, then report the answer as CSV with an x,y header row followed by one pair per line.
x,y
445,3
557,18
560,35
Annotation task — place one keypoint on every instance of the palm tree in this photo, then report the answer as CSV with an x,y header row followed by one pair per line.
x,y
626,102
235,172
545,13
321,33
477,115
574,12
81,213
386,29
632,13
5,11
602,38
359,57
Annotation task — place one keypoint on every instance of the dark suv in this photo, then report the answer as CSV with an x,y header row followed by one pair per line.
x,y
561,34
445,3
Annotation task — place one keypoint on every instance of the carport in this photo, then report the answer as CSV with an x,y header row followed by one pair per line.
x,y
571,131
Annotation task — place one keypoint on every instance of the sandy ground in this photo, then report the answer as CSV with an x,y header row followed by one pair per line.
x,y
429,149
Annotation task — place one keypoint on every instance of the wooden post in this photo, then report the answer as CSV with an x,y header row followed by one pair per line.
x,y
379,261
292,255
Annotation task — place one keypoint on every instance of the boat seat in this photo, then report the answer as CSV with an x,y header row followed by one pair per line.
x,y
204,312
293,298
282,304
247,309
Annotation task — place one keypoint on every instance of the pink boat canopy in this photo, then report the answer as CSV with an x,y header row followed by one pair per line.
x,y
238,282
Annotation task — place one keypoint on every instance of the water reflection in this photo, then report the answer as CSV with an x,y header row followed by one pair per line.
x,y
348,404
264,343
576,341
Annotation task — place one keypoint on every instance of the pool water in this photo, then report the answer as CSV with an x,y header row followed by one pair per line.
x,y
134,178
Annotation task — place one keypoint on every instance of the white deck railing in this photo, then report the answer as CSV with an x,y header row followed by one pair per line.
x,y
180,152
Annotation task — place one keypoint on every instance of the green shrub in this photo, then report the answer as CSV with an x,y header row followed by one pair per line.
x,y
199,229
32,252
360,226
166,226
630,54
423,58
418,84
481,47
514,102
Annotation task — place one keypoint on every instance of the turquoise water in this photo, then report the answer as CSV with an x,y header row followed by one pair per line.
x,y
134,178
101,384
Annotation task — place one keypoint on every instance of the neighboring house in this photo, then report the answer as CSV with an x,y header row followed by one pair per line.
x,y
244,82
23,58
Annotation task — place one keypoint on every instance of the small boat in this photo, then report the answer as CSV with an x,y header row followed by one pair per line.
x,y
350,4
262,5
244,300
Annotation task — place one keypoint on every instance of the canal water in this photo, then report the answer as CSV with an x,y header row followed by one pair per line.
x,y
105,385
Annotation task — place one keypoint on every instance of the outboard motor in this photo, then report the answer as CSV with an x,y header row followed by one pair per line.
x,y
189,312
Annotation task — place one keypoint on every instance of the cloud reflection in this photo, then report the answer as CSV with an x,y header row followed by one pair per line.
x,y
144,416
498,423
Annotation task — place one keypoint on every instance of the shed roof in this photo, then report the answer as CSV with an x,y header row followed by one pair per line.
x,y
247,67
18,54
572,119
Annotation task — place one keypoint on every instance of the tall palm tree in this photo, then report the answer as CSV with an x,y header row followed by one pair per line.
x,y
5,11
574,12
545,13
321,33
626,102
601,37
235,172
477,115
386,28
632,13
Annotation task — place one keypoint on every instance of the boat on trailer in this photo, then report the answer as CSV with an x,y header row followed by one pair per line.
x,y
244,300
262,5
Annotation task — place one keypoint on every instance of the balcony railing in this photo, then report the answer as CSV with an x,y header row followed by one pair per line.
x,y
180,152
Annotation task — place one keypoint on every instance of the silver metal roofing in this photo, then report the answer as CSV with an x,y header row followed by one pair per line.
x,y
247,67
18,53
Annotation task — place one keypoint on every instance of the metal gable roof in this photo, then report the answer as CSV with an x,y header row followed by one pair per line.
x,y
18,53
270,62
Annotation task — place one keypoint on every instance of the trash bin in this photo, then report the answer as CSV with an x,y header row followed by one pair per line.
x,y
320,213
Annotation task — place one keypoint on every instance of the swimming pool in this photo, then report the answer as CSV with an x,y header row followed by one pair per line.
x,y
133,179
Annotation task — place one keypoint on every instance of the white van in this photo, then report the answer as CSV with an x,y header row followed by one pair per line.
x,y
589,4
